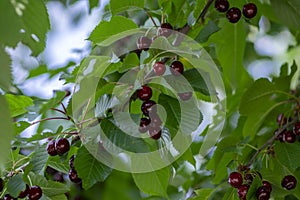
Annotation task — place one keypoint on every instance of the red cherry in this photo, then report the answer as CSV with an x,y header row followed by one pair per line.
x,y
263,193
143,43
289,182
233,15
35,193
185,96
155,133
296,128
289,136
73,176
51,148
148,106
144,122
24,193
242,191
62,146
176,68
8,197
268,185
249,10
235,179
221,5
145,93
159,68
165,29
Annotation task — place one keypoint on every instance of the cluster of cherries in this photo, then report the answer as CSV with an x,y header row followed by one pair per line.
x,y
33,192
58,147
243,182
288,135
234,14
73,176
151,123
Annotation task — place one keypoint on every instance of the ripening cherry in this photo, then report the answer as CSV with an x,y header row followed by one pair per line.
x,y
235,179
145,93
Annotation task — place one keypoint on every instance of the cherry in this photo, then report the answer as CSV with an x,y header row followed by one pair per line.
x,y
289,182
289,136
185,96
222,5
24,193
155,133
248,178
144,122
145,93
268,185
35,193
8,197
281,119
176,68
51,148
73,176
165,29
296,128
62,146
71,162
235,179
263,193
1,184
159,68
143,43
242,191
58,177
249,10
148,106
155,121
280,136
233,15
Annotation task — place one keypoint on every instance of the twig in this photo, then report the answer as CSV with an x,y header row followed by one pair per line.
x,y
58,110
150,16
205,9
269,142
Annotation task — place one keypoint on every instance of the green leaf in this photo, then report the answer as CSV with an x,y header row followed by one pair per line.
x,y
123,140
36,24
105,30
117,6
287,155
231,194
18,104
253,187
57,163
10,27
230,44
15,185
39,159
203,194
93,4
7,132
5,62
257,102
153,183
89,169
287,12
49,188
207,31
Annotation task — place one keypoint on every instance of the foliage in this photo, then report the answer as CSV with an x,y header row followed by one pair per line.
x,y
100,118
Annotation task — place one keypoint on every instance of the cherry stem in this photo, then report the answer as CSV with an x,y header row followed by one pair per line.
x,y
204,11
50,118
269,142
150,16
58,110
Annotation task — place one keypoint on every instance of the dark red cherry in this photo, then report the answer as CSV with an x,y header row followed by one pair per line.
x,y
268,185
176,68
159,68
155,133
242,192
296,128
165,29
62,146
51,148
233,15
249,10
289,182
263,193
281,119
280,136
155,121
248,178
143,43
144,122
73,176
25,192
145,93
289,136
148,106
235,179
8,197
71,161
185,96
221,5
35,193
